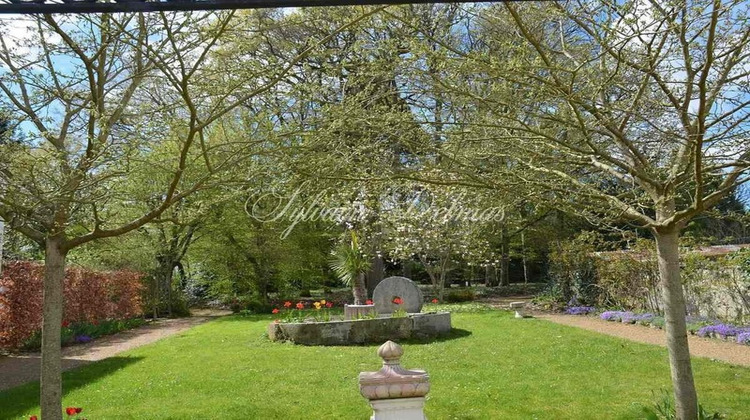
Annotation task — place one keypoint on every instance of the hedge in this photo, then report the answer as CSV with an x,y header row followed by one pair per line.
x,y
89,297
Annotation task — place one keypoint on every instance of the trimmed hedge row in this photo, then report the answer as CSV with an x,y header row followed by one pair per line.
x,y
89,297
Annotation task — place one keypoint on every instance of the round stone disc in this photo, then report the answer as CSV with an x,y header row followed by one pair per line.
x,y
397,287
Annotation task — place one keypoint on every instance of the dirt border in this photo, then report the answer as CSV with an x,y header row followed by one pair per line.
x,y
714,349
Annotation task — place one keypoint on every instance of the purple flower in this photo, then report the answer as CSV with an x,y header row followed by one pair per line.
x,y
628,317
611,315
744,338
722,330
82,339
647,317
580,310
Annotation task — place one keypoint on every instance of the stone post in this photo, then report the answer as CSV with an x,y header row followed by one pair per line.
x,y
394,392
520,308
352,312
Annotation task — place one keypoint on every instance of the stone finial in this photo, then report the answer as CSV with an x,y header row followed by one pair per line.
x,y
392,380
395,393
390,352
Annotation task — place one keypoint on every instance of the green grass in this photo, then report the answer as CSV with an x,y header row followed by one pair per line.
x,y
493,367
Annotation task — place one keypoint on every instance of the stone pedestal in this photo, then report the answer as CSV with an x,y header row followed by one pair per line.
x,y
358,311
395,393
520,308
398,409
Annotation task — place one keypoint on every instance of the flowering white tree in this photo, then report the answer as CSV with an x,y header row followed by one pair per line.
x,y
440,227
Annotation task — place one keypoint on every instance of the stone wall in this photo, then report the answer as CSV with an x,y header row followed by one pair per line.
x,y
362,331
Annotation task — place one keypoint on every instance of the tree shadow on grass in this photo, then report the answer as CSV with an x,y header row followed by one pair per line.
x,y
454,334
20,401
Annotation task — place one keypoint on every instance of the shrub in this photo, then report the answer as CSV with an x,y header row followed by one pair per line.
x,y
460,295
572,270
89,297
629,279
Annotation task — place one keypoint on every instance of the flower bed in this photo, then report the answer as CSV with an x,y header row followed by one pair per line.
x,y
314,325
362,331
84,332
700,326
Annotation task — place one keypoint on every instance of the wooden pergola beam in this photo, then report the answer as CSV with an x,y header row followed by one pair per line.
x,y
113,6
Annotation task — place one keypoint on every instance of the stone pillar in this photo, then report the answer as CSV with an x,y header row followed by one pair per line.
x,y
352,312
394,392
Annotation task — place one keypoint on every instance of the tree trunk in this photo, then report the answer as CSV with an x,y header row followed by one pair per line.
x,y
168,284
686,399
406,269
359,288
376,273
504,258
523,257
51,372
490,275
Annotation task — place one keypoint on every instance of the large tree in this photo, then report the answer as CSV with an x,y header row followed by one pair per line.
x,y
611,110
106,98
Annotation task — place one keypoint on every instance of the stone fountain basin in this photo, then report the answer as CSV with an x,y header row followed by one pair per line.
x,y
362,331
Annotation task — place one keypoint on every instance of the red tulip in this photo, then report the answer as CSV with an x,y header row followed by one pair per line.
x,y
300,305
275,311
287,304
78,410
369,302
398,301
434,301
71,411
65,324
329,304
33,418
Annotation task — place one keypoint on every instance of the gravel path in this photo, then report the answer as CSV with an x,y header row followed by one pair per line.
x,y
714,349
702,347
22,368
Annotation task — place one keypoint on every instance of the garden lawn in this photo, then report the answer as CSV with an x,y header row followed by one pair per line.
x,y
492,367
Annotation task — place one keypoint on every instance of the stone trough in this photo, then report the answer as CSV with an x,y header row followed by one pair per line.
x,y
377,326
362,331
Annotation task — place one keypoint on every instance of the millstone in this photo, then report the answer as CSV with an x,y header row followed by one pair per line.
x,y
397,287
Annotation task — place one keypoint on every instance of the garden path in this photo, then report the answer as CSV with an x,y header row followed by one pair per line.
x,y
714,349
19,369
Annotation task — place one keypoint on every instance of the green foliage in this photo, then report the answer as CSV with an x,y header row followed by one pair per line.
x,y
247,304
572,270
629,279
459,295
663,409
349,261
